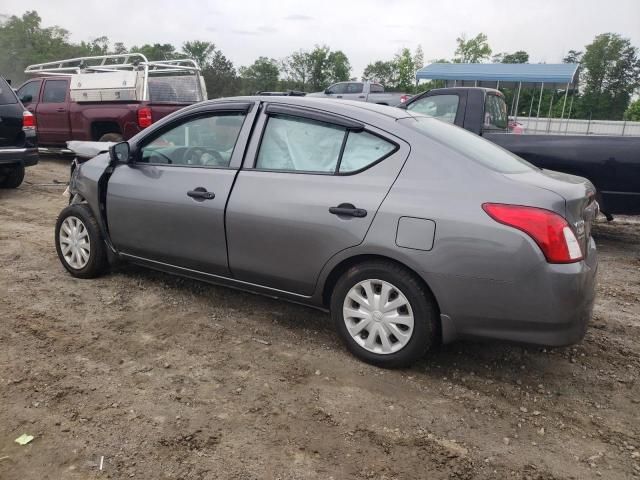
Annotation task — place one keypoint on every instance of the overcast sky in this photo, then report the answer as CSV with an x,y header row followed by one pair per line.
x,y
364,30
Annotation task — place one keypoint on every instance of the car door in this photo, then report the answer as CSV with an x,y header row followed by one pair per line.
x,y
167,205
29,93
337,90
311,186
354,91
52,113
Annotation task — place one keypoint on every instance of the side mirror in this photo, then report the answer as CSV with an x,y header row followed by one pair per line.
x,y
120,152
327,91
26,98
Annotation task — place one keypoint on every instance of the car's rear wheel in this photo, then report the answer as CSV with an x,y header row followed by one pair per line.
x,y
12,177
79,244
111,137
384,314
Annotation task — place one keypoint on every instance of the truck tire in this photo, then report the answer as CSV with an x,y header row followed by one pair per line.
x,y
396,326
13,178
79,243
111,137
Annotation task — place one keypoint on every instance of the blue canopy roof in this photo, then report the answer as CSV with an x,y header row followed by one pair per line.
x,y
503,72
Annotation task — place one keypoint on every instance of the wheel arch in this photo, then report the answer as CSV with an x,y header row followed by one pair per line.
x,y
338,270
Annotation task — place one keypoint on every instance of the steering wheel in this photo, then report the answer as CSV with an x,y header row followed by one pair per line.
x,y
192,156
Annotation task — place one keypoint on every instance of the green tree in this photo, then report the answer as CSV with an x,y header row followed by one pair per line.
x,y
339,68
418,58
611,73
199,51
220,76
473,50
406,70
573,56
633,112
384,72
297,68
23,41
516,57
262,75
157,51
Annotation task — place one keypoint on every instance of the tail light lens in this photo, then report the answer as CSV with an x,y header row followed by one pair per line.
x,y
28,121
404,98
144,117
549,230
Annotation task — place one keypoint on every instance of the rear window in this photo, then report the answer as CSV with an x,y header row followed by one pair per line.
x,y
6,94
472,146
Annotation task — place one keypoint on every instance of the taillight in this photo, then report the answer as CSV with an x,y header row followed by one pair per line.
x,y
549,230
28,121
144,117
404,98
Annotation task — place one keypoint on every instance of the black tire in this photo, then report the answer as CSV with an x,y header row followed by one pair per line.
x,y
98,262
111,137
423,305
13,178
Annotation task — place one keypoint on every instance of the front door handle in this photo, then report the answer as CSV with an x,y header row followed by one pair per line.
x,y
61,110
362,96
338,96
348,210
201,194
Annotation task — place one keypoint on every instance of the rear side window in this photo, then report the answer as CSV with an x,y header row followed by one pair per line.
x,y
495,113
296,144
6,94
55,91
470,145
442,107
363,149
375,88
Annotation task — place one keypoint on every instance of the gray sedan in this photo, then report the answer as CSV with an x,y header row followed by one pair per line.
x,y
408,230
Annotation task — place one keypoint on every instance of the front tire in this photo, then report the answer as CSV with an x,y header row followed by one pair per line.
x,y
14,177
384,314
79,243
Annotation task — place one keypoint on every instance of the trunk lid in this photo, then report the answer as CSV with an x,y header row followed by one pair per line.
x,y
578,193
11,134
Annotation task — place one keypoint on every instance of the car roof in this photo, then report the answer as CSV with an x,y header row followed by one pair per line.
x,y
340,107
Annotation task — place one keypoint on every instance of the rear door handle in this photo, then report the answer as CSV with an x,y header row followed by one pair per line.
x,y
362,96
201,194
348,210
338,96
61,110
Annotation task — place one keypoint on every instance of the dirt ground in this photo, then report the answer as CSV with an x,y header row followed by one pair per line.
x,y
158,377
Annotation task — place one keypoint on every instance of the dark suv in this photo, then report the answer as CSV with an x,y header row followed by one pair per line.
x,y
18,139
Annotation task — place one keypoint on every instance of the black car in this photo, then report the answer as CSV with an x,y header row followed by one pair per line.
x,y
18,138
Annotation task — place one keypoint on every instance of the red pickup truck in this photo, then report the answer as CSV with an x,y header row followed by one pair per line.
x,y
106,98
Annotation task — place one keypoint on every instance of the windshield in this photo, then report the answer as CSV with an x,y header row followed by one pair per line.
x,y
6,94
472,146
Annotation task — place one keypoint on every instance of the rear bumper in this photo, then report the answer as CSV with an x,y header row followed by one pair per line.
x,y
26,156
551,307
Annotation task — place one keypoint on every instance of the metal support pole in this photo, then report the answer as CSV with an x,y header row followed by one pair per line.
x,y
539,103
566,93
515,113
553,91
531,106
569,115
624,126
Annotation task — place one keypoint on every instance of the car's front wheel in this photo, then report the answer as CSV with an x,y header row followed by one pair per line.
x,y
384,314
79,243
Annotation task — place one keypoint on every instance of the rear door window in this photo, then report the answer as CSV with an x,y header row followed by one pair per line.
x,y
300,145
6,94
442,107
495,113
30,89
354,88
375,88
55,91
